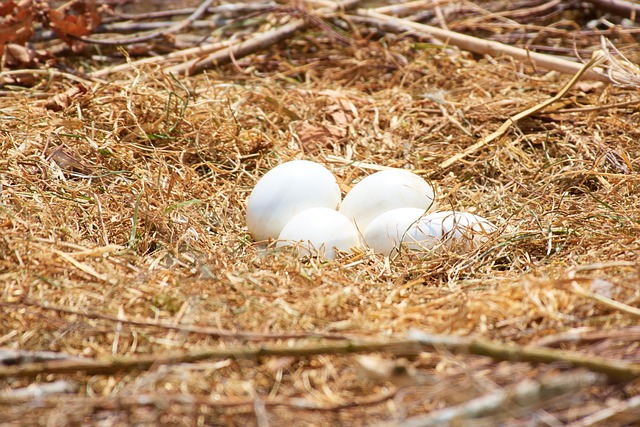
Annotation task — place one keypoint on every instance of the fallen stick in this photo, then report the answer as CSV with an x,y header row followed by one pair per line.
x,y
480,46
627,9
201,10
162,59
37,391
525,394
416,343
616,410
17,357
264,40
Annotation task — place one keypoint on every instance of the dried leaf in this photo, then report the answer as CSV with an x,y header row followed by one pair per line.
x,y
67,162
63,100
16,56
315,137
69,26
7,7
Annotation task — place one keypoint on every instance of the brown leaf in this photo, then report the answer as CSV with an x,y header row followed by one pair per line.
x,y
17,28
67,162
315,137
62,100
68,26
7,7
16,56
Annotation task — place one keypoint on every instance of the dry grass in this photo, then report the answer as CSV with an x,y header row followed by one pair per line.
x,y
129,205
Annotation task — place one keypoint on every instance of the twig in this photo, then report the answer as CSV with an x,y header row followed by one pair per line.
x,y
616,370
113,365
51,73
593,108
527,393
601,299
37,390
480,46
17,357
119,402
598,418
605,301
211,332
201,10
416,343
595,60
231,9
162,59
588,335
254,44
627,9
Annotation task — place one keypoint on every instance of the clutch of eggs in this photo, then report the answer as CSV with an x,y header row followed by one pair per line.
x,y
296,204
415,230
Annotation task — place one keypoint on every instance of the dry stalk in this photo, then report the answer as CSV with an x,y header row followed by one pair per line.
x,y
254,44
416,343
480,46
597,58
616,410
185,23
601,299
525,394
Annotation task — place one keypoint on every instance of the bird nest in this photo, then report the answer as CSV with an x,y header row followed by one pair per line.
x,y
132,293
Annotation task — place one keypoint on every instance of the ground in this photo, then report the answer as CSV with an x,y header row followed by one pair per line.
x,y
123,236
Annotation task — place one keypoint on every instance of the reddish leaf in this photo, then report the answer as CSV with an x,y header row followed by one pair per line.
x,y
7,7
17,28
68,26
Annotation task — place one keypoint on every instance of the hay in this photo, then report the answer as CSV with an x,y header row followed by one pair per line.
x,y
123,238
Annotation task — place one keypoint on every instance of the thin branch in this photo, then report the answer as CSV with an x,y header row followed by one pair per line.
x,y
254,44
178,56
589,335
119,402
480,46
627,9
605,301
231,9
37,390
527,393
17,357
416,343
201,10
599,418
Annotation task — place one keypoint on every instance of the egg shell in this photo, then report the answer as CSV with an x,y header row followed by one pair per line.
x,y
287,190
317,231
416,231
463,231
385,233
384,191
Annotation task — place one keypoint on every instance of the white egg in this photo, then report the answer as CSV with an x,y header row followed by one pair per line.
x,y
287,190
318,231
384,191
418,232
385,233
